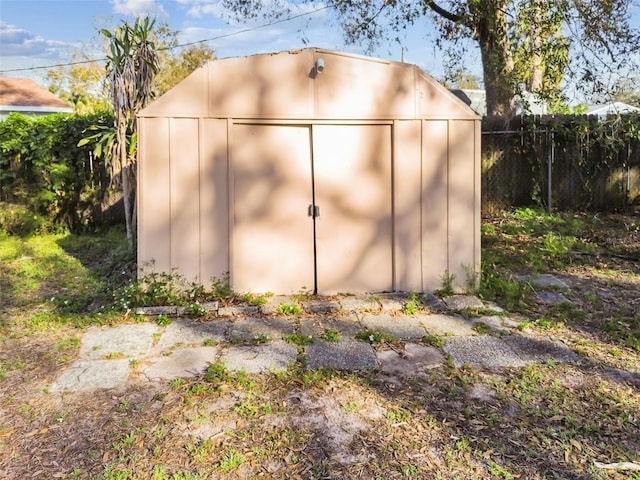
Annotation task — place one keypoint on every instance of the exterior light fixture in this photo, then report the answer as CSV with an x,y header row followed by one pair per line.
x,y
320,65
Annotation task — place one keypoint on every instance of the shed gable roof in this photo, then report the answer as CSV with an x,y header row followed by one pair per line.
x,y
287,85
24,94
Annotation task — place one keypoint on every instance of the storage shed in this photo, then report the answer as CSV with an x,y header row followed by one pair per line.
x,y
313,170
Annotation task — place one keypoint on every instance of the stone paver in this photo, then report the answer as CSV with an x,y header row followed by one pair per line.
x,y
482,351
442,324
183,348
545,280
346,325
532,349
238,310
271,307
357,303
404,327
413,360
183,362
260,358
461,302
323,306
348,354
86,375
433,302
184,331
496,322
126,340
552,298
250,328
390,302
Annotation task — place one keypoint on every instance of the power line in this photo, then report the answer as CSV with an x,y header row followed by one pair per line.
x,y
226,35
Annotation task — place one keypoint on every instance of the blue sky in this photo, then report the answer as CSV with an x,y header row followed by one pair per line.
x,y
35,33
38,33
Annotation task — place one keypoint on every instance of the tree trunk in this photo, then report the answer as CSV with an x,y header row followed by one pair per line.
x,y
489,19
126,187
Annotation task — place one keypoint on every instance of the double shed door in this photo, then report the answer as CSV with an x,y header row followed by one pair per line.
x,y
312,208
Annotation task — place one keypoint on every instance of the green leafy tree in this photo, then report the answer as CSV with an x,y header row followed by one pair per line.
x,y
83,82
131,68
459,78
81,85
541,52
598,32
628,90
176,67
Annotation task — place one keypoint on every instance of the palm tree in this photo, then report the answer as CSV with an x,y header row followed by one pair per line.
x,y
131,68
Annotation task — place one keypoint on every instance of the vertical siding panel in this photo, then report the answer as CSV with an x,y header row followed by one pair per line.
x,y
214,199
462,199
435,175
407,195
477,219
185,198
154,224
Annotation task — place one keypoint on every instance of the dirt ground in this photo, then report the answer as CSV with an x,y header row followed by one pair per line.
x,y
543,421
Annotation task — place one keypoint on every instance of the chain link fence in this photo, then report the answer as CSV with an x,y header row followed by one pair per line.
x,y
561,162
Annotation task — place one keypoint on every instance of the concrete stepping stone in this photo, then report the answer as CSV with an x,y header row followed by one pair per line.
x,y
183,362
544,280
482,351
540,350
192,332
126,340
271,307
348,354
404,327
441,324
433,302
321,306
392,303
346,325
260,358
86,375
358,303
552,298
462,302
496,322
413,360
250,328
238,310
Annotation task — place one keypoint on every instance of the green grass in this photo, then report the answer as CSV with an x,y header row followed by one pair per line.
x,y
298,339
545,420
57,279
373,336
331,336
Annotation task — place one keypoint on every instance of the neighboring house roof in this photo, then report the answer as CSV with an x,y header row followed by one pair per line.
x,y
612,108
477,100
23,95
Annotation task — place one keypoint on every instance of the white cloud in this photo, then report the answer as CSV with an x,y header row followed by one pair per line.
x,y
15,41
139,8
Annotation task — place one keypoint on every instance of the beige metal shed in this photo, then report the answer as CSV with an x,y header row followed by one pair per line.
x,y
310,169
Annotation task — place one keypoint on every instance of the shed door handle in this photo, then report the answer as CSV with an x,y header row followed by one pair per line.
x,y
313,211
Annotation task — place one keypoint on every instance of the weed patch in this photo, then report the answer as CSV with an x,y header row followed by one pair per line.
x,y
374,337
